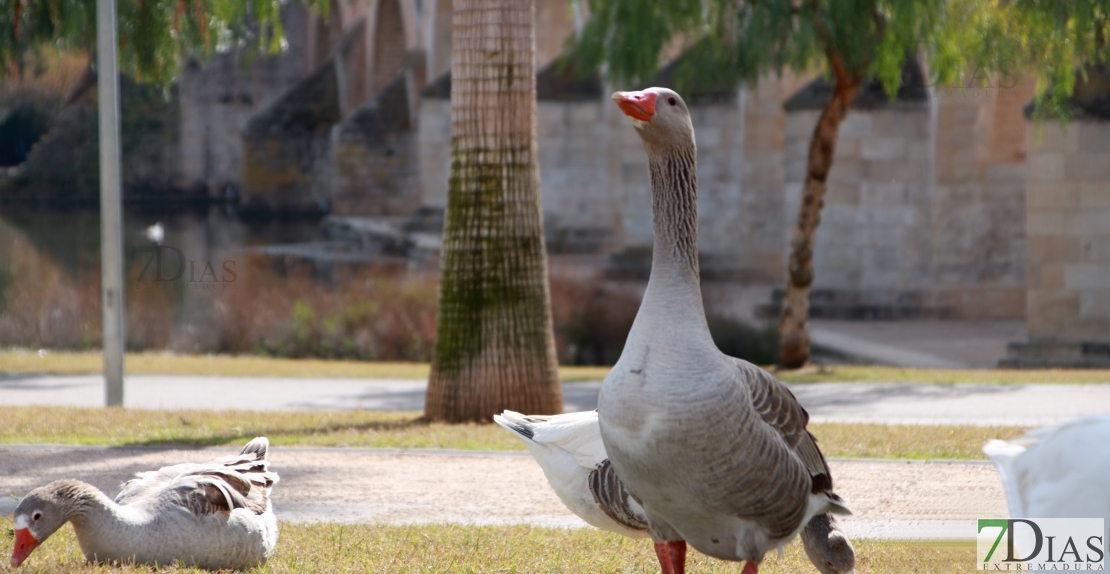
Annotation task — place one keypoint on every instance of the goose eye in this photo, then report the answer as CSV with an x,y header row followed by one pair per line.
x,y
672,101
36,515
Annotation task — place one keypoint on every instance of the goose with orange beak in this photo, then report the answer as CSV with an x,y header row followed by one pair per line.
x,y
714,449
25,542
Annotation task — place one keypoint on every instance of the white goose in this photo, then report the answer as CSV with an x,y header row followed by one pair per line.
x,y
212,515
1057,472
569,450
715,449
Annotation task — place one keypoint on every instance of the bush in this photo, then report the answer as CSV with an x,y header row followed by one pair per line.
x,y
592,318
369,313
758,345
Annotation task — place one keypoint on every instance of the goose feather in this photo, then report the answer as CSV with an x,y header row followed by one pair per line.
x,y
212,515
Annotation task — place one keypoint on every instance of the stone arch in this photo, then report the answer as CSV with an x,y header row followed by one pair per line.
x,y
439,39
389,45
326,33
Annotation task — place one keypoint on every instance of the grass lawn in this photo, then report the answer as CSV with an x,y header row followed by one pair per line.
x,y
510,549
381,429
77,363
72,363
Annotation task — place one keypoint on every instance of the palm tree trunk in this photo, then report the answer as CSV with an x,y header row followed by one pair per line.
x,y
495,347
794,322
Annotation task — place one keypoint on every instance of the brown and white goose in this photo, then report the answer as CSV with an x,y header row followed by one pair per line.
x,y
212,515
715,449
568,448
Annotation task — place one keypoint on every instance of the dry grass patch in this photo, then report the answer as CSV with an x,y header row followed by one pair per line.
x,y
329,548
873,374
389,429
919,442
120,427
78,363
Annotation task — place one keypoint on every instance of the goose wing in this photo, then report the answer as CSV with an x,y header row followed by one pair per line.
x,y
613,499
778,408
575,433
569,449
221,485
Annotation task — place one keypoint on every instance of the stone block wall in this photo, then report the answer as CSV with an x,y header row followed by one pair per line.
x,y
1068,226
595,188
220,96
753,247
874,241
374,158
979,245
286,147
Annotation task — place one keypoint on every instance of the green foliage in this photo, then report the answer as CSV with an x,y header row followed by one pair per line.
x,y
1049,38
964,41
735,338
154,35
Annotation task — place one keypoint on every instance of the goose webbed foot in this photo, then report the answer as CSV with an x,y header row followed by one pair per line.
x,y
750,567
672,556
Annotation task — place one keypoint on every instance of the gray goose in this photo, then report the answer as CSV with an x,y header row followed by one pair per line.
x,y
568,448
713,448
212,515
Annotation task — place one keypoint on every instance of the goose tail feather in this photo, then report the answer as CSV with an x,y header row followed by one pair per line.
x,y
837,505
259,447
517,423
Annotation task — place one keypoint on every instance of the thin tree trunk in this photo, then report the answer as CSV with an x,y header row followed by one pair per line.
x,y
794,322
495,347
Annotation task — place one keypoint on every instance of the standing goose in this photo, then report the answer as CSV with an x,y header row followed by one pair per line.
x,y
213,515
568,448
715,449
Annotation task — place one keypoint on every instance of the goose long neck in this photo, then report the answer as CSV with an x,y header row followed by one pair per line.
x,y
674,287
85,503
674,205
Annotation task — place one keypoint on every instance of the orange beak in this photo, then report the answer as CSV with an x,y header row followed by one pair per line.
x,y
636,105
24,544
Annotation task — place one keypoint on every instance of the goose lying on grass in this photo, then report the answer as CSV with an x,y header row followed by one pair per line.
x,y
715,449
568,448
211,515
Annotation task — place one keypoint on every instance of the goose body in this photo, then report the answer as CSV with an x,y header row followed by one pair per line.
x,y
715,449
211,515
1057,472
568,448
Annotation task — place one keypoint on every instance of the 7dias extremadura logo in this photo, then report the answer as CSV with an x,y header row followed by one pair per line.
x,y
1046,544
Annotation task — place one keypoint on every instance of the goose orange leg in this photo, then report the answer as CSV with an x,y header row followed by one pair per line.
x,y
750,568
672,556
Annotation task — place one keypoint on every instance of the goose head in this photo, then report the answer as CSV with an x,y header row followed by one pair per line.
x,y
660,116
41,513
827,547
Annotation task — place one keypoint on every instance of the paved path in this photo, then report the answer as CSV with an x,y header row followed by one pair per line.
x,y
1030,405
917,343
890,499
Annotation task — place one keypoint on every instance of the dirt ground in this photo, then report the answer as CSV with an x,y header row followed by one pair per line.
x,y
890,499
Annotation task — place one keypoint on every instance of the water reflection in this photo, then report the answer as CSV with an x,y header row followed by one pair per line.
x,y
176,261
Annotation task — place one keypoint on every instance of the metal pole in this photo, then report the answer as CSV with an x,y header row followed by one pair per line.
x,y
111,214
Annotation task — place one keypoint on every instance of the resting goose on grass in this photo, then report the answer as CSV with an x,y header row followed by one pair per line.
x,y
568,448
213,515
713,448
